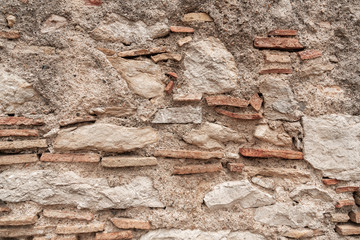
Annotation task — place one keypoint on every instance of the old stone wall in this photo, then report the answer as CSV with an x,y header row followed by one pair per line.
x,y
179,119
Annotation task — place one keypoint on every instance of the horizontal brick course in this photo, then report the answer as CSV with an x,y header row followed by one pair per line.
x,y
172,74
269,153
283,32
346,189
74,229
128,161
127,223
179,29
194,169
20,145
277,43
70,157
188,154
114,235
242,116
61,214
18,159
142,52
309,54
235,167
19,133
348,229
17,220
226,101
344,203
20,121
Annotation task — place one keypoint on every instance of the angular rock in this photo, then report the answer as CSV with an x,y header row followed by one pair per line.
x,y
278,43
114,235
194,169
121,111
71,121
19,133
310,192
127,223
256,102
340,217
241,116
89,228
242,192
276,172
357,199
263,182
142,76
20,121
177,234
226,101
316,69
21,145
53,23
61,214
68,157
169,87
17,159
181,42
188,154
210,67
11,20
197,17
348,229
235,167
276,137
332,144
355,216
106,51
269,153
142,52
187,114
124,161
105,137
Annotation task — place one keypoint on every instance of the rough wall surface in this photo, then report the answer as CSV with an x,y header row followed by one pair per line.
x,y
179,119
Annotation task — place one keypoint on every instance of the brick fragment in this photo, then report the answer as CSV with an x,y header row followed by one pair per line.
x,y
10,34
106,51
344,203
197,17
19,133
188,154
276,172
226,101
61,214
256,101
329,181
283,32
269,153
17,221
20,145
142,52
166,56
172,74
253,116
276,70
346,189
128,161
303,233
127,223
67,122
355,216
74,229
4,209
194,169
17,159
93,2
235,167
179,29
114,235
181,42
20,121
25,232
277,43
70,157
191,97
277,58
340,217
169,87
120,111
309,54
348,229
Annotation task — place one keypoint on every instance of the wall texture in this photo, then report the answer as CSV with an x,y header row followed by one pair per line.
x,y
179,119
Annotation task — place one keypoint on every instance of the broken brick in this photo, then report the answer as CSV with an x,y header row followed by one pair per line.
x,y
10,34
340,217
242,116
142,52
128,161
194,169
106,51
188,154
348,229
172,74
346,189
355,216
344,203
166,56
277,58
276,70
329,181
235,167
114,235
179,29
127,223
256,101
195,97
61,214
283,32
184,40
17,221
72,121
169,87
19,133
20,121
268,153
93,2
277,43
16,159
70,157
226,101
309,54
20,145
72,229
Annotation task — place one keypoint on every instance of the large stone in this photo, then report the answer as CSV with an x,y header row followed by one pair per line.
x,y
53,23
210,67
276,137
242,192
187,114
142,76
332,143
105,137
49,187
311,193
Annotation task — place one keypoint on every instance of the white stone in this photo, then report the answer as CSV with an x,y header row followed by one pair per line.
x,y
332,143
310,193
185,114
53,23
276,137
264,182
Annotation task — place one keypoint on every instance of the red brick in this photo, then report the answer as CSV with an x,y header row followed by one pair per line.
x,y
256,101
269,153
309,54
329,181
179,29
106,51
18,159
17,221
276,70
127,223
93,2
70,157
172,74
355,216
188,154
346,189
344,203
277,43
169,87
242,116
114,235
283,32
142,52
235,167
20,121
10,34
72,121
19,133
348,229
226,101
61,214
194,169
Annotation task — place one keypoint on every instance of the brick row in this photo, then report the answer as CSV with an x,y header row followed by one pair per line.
x,y
128,161
76,229
278,43
25,232
10,34
20,145
344,203
276,70
195,169
188,154
17,220
70,157
166,56
17,159
194,97
269,153
309,54
19,133
180,29
242,116
346,189
67,122
114,235
329,181
283,32
19,121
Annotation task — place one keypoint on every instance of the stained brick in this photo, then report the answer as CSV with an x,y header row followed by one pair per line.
x,y
106,51
25,232
167,56
355,216
269,153
128,161
277,43
16,159
276,70
20,121
127,223
169,87
235,167
114,235
19,133
344,203
329,181
72,121
70,157
142,52
309,54
348,229
179,29
283,32
194,97
194,169
172,74
19,145
339,217
61,214
10,34
243,116
188,154
256,101
73,229
346,189
226,101
17,220
277,58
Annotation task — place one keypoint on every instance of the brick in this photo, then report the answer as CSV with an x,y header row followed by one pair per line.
x,y
309,54
276,172
346,189
128,161
194,169
61,214
179,29
276,71
106,51
19,121
17,159
70,157
277,43
74,229
235,167
93,2
197,17
188,154
256,101
114,235
340,217
17,221
344,203
277,58
4,209
142,52
121,111
76,120
283,32
191,97
348,229
166,56
253,116
355,216
19,133
20,145
169,87
26,232
226,101
127,223
269,153
329,181
10,34
181,42
303,233
172,74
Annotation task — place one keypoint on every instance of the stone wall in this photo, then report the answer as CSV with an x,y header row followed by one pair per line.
x,y
179,119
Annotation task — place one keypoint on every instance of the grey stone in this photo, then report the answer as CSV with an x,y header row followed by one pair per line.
x,y
49,187
276,137
185,114
105,137
210,67
332,143
310,193
53,23
242,192
264,182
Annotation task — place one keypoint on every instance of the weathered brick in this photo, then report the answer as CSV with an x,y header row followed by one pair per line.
x,y
66,237
10,34
106,51
181,42
172,74
17,220
303,233
128,161
309,54
74,229
256,101
19,133
20,121
93,2
277,58
346,189
166,56
4,209
269,153
179,29
194,169
276,70
26,232
188,154
20,145
283,32
348,229
142,52
235,167
114,235
197,17
226,101
120,111
243,116
61,214
329,181
191,97
70,157
72,121
127,223
355,216
344,203
277,43
340,217
276,172
16,159
169,87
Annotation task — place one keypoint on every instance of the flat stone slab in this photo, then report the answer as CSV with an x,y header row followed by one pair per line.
x,y
186,114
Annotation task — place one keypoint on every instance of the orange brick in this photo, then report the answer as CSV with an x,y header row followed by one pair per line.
x,y
114,235
61,214
106,51
179,29
169,87
70,157
194,169
276,70
188,154
277,43
142,52
72,121
20,121
74,229
235,167
242,116
20,145
355,216
17,159
17,221
329,181
127,223
256,101
19,133
348,229
309,54
10,34
226,101
172,74
346,189
268,153
283,32
344,203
